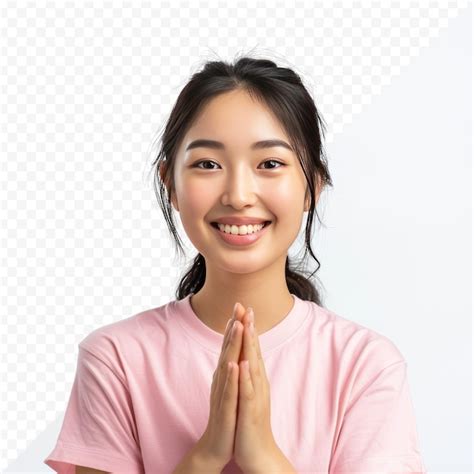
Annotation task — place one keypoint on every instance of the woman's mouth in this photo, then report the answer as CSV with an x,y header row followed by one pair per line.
x,y
235,238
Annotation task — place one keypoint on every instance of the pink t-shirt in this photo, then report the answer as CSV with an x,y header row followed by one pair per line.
x,y
340,398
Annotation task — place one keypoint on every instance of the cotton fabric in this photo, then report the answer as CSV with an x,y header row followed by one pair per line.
x,y
340,397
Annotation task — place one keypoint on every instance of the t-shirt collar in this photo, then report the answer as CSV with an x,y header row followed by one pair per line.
x,y
269,340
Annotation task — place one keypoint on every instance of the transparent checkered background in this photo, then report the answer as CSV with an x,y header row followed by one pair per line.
x,y
84,90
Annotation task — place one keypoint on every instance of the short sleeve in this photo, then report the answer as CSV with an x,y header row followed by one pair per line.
x,y
98,429
378,432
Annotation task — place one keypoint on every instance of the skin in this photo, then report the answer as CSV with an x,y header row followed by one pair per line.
x,y
239,181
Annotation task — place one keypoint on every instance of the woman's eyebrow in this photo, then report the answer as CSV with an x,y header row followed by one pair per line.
x,y
206,143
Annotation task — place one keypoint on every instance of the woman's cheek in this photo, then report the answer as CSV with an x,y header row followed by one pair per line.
x,y
197,196
284,197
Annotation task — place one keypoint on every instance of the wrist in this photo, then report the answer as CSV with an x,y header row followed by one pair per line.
x,y
197,462
280,463
203,463
274,461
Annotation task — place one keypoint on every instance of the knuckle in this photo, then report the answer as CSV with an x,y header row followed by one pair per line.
x,y
227,396
223,366
249,396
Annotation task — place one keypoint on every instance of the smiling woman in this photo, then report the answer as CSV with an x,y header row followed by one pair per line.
x,y
186,387
244,154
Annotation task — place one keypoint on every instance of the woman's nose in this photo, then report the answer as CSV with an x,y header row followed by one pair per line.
x,y
239,189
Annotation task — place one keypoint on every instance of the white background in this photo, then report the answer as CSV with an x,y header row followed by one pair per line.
x,y
84,89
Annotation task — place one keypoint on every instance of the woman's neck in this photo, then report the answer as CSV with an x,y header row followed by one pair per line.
x,y
214,308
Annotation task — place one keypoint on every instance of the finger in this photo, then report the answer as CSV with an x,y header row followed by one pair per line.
x,y
228,400
226,333
228,330
219,376
236,315
216,375
258,352
225,338
249,352
232,351
239,311
240,316
246,389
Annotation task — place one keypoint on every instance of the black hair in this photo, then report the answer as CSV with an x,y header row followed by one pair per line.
x,y
282,90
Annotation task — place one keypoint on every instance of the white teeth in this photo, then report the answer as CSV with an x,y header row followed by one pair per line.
x,y
240,230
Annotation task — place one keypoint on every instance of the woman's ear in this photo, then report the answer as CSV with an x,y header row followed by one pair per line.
x,y
172,195
174,202
307,201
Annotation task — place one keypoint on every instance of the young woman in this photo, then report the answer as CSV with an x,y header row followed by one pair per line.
x,y
288,387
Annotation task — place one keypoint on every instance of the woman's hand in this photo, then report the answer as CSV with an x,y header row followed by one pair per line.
x,y
217,443
254,441
239,422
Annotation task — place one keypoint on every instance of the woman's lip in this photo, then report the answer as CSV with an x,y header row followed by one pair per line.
x,y
238,225
242,240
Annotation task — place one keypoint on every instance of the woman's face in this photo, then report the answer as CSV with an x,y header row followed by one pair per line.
x,y
236,180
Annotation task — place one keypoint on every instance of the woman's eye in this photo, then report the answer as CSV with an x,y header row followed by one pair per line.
x,y
196,165
274,161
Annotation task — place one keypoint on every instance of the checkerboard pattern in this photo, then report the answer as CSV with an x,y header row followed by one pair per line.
x,y
84,90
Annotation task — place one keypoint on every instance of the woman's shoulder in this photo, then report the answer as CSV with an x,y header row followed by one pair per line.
x,y
129,333
350,339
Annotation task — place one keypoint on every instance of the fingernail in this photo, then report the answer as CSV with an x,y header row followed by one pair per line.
x,y
234,328
235,307
251,328
251,314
